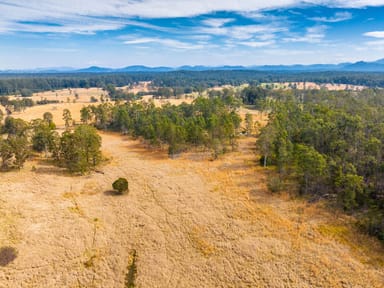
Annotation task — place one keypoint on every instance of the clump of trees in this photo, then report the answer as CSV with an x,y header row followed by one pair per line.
x,y
45,101
332,146
78,150
16,104
253,95
14,144
210,123
119,94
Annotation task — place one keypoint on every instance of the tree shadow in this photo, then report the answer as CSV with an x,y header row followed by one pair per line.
x,y
7,255
112,193
51,170
48,167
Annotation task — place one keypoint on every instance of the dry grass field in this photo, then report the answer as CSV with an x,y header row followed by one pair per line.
x,y
190,222
67,99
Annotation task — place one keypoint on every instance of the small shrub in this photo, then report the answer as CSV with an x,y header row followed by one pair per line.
x,y
275,184
120,185
94,99
90,262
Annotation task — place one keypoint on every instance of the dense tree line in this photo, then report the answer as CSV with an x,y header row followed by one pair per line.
x,y
119,94
211,123
332,143
186,81
15,84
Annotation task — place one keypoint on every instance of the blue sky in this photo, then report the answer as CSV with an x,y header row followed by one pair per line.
x,y
118,33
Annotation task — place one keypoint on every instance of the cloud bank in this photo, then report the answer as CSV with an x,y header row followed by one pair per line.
x,y
83,16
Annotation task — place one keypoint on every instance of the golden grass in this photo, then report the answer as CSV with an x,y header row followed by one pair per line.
x,y
338,232
200,242
91,188
9,233
284,242
367,249
69,95
69,195
92,256
76,209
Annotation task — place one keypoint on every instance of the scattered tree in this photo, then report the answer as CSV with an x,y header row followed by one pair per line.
x,y
67,117
48,117
120,185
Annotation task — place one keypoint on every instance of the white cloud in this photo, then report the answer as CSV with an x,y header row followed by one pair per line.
x,y
314,34
338,17
256,44
77,28
66,12
199,37
350,3
241,32
375,34
217,22
140,41
256,15
370,46
287,52
377,44
172,43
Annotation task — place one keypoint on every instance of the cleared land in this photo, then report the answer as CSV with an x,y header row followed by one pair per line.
x,y
192,223
315,86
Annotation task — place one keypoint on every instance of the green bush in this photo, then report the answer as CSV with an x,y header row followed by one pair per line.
x,y
275,184
121,185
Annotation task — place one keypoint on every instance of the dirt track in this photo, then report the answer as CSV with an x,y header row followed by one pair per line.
x,y
193,223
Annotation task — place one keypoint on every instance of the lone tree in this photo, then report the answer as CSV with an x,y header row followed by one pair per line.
x,y
120,185
67,117
48,117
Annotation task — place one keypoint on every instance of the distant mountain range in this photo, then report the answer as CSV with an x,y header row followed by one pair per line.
x,y
361,66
